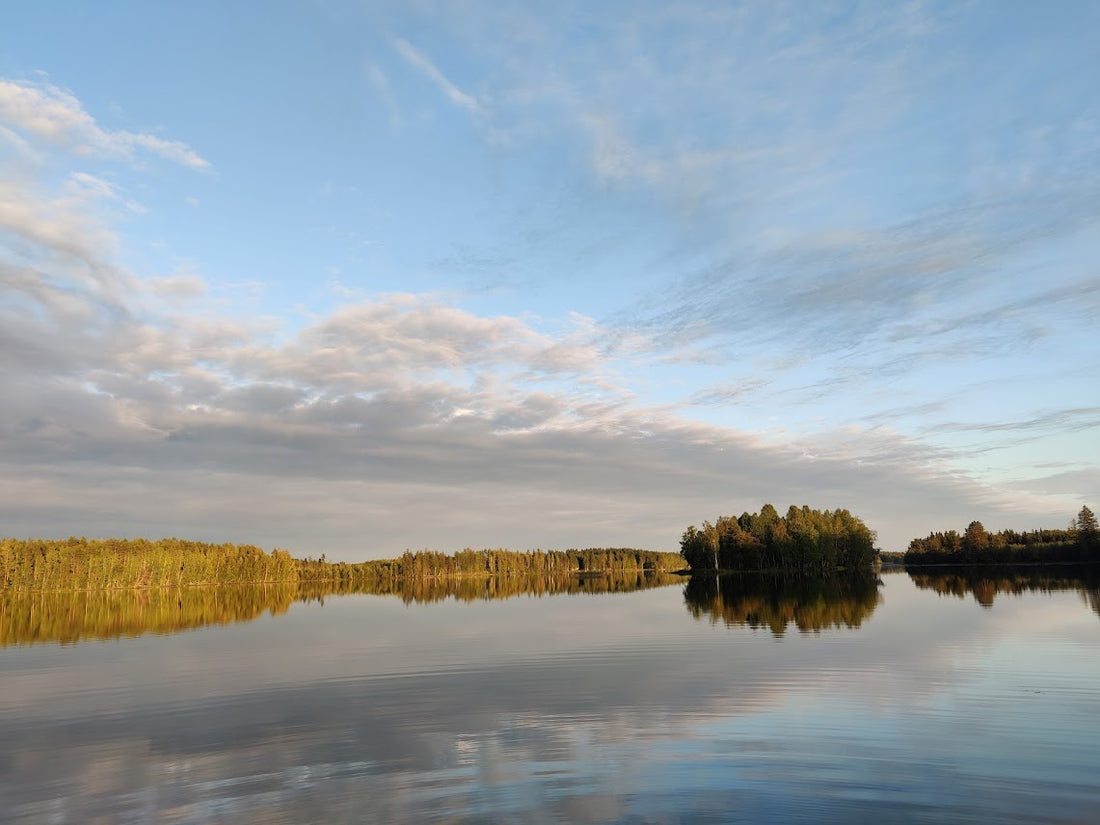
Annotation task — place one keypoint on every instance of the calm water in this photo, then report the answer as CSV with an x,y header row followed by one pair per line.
x,y
726,703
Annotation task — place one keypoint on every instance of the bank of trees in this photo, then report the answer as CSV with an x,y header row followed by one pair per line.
x,y
975,545
90,564
804,540
427,564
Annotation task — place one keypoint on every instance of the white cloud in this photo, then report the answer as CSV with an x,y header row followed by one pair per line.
x,y
59,225
399,415
176,287
394,406
52,114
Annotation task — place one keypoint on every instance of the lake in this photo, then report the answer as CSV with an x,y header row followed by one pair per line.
x,y
972,697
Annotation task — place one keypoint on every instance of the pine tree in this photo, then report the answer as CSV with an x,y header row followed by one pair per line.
x,y
1088,533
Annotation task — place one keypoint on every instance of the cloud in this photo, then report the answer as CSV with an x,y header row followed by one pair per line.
x,y
398,414
425,66
721,394
54,226
401,420
178,287
394,405
1064,420
1082,484
54,115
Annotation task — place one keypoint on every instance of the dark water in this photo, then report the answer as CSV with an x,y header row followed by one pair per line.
x,y
973,698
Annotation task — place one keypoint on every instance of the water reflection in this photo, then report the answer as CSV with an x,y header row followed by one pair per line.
x,y
603,710
775,601
69,617
28,617
986,583
479,588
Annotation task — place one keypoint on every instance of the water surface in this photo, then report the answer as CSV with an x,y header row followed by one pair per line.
x,y
739,700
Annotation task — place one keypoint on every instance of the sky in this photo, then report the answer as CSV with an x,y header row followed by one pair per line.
x,y
359,277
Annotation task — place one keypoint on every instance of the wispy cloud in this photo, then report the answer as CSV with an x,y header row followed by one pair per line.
x,y
722,394
426,67
1062,421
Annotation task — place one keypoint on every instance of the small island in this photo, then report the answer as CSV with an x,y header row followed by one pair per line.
x,y
804,541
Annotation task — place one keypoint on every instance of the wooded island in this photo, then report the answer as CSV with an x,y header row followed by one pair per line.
x,y
805,540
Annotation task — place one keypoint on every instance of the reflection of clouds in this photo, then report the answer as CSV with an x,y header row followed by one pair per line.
x,y
548,710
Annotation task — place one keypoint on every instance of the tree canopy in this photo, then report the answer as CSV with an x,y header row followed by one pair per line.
x,y
806,540
106,564
1079,542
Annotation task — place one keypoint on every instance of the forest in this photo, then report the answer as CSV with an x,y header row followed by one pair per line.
x,y
94,564
1080,542
804,540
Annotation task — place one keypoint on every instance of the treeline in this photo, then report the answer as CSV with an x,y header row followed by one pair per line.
x,y
776,601
1078,543
509,563
805,540
91,564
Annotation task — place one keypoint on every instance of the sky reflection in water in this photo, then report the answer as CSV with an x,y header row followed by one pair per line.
x,y
612,708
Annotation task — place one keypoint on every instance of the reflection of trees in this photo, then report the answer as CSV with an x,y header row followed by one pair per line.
x,y
775,601
479,588
32,617
29,617
986,583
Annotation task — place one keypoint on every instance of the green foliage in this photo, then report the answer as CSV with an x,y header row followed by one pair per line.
x,y
1079,543
499,563
812,541
1088,533
84,564
89,564
700,547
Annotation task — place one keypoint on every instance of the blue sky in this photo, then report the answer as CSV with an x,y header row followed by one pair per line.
x,y
356,277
